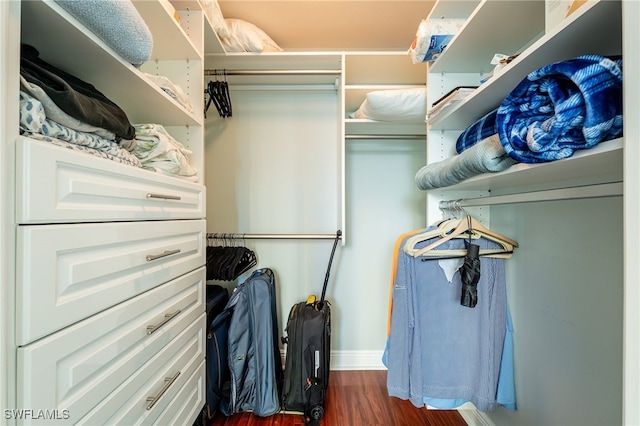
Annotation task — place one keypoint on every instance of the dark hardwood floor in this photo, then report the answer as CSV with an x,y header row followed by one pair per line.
x,y
356,398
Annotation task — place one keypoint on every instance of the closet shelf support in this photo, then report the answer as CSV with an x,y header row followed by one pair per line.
x,y
571,193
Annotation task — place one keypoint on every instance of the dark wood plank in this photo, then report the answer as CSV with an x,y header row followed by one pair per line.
x,y
356,398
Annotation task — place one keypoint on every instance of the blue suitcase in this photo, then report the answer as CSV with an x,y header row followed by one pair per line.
x,y
217,366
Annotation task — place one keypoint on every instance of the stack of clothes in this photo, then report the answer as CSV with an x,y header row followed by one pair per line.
x,y
61,109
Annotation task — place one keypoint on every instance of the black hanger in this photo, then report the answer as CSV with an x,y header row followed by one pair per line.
x,y
225,260
218,92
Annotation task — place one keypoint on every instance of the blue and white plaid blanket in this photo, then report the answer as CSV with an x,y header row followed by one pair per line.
x,y
477,132
562,107
556,110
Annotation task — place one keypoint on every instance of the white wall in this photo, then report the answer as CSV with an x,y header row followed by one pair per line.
x,y
273,168
566,304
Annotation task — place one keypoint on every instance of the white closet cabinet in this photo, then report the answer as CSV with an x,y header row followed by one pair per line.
x,y
105,261
573,282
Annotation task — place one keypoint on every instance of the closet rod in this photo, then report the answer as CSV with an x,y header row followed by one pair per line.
x,y
223,72
381,136
272,236
572,193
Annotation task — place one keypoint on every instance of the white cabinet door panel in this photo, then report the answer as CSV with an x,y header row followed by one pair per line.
x,y
66,273
56,185
87,361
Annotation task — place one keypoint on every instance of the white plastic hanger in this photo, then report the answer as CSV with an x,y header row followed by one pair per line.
x,y
460,228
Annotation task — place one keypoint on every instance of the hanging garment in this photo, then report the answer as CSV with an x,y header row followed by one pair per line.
x,y
442,352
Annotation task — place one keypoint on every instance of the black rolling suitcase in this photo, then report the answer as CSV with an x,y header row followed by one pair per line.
x,y
308,347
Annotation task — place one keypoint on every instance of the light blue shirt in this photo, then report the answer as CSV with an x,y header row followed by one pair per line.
x,y
441,353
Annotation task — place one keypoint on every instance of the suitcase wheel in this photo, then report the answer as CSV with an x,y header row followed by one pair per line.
x,y
316,412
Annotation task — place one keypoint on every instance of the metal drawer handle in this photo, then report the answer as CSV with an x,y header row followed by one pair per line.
x,y
163,196
167,317
168,381
165,253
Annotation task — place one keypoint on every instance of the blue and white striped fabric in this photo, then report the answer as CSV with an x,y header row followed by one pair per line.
x,y
562,107
477,132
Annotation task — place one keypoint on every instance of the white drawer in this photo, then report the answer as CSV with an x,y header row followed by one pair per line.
x,y
78,367
56,185
145,396
66,273
188,403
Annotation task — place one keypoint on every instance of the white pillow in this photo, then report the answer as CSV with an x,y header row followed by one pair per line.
x,y
212,10
246,37
394,105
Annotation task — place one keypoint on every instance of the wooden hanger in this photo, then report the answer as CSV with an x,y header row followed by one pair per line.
x,y
462,228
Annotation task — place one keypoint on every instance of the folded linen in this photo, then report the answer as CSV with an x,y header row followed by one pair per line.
x,y
486,156
76,97
562,107
53,112
35,124
158,150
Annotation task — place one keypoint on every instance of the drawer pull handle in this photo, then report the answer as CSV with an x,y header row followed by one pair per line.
x,y
165,253
168,381
163,196
167,317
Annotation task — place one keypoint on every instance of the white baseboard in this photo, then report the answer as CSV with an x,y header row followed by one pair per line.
x,y
353,360
357,360
475,417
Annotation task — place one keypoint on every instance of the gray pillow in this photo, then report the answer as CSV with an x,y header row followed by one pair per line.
x,y
116,22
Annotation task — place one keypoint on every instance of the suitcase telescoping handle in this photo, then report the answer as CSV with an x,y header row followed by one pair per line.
x,y
326,277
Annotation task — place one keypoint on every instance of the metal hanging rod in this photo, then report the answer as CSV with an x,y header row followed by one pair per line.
x,y
224,72
383,136
238,236
572,193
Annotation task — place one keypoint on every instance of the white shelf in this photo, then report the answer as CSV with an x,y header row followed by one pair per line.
x,y
472,49
577,35
65,43
600,164
170,42
383,129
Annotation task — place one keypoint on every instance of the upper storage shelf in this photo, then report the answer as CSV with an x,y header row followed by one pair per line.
x,y
170,41
580,33
367,72
69,45
514,24
279,68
